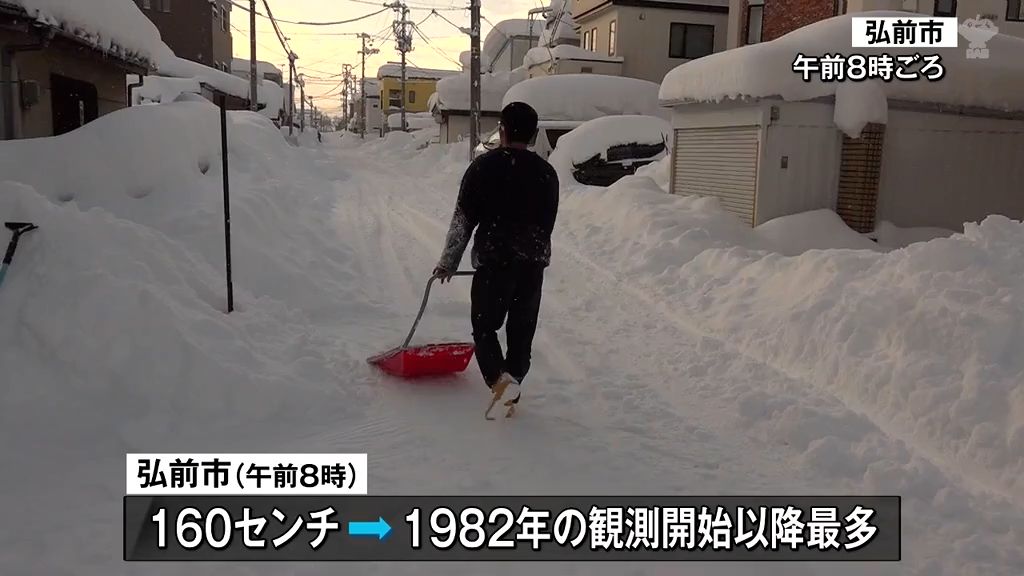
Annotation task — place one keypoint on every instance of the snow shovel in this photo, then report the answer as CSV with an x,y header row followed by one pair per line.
x,y
18,228
428,359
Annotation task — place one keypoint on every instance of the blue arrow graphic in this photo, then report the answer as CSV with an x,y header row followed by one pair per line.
x,y
380,529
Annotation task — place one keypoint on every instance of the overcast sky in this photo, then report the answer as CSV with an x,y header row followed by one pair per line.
x,y
323,50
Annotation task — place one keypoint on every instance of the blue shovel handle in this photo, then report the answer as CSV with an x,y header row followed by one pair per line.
x,y
18,228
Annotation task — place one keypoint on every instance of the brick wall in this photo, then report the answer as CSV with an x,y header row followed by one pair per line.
x,y
192,30
783,16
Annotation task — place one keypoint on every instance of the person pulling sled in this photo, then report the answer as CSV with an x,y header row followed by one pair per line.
x,y
510,197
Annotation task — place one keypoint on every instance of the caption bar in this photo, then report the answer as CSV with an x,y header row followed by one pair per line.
x,y
905,31
542,528
246,474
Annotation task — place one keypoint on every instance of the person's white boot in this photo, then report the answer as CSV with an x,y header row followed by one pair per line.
x,y
505,387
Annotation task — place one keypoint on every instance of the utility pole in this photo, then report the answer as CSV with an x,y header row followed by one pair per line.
x,y
302,100
362,86
474,81
403,39
254,94
291,93
347,73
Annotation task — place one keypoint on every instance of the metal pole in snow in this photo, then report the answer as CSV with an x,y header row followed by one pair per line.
x,y
227,197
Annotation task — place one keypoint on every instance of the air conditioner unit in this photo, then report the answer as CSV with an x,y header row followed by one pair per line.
x,y
30,92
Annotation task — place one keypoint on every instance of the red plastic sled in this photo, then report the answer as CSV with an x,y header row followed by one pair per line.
x,y
429,359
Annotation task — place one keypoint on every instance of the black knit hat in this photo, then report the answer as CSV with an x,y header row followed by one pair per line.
x,y
520,122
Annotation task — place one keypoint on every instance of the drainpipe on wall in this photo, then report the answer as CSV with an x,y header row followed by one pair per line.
x,y
7,78
132,87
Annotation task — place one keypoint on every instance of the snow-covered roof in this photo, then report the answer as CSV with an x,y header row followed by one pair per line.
x,y
453,92
268,93
243,65
542,54
506,29
765,70
559,24
116,27
395,71
584,97
175,67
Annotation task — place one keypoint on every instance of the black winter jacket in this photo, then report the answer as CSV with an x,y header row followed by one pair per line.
x,y
511,196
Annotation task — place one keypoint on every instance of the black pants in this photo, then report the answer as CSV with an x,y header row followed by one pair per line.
x,y
514,292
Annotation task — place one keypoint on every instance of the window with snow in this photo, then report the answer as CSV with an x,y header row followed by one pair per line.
x,y
394,98
691,40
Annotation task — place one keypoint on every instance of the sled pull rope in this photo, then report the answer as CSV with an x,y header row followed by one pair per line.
x,y
423,306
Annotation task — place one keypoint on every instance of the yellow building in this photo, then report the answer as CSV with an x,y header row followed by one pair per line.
x,y
420,84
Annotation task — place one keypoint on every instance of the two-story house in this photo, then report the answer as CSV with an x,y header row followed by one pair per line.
x,y
753,21
420,85
652,37
196,30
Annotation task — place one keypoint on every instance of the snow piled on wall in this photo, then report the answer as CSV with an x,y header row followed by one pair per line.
x,y
765,69
587,96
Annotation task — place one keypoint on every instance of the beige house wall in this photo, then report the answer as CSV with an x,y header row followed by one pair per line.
x,y
643,36
64,58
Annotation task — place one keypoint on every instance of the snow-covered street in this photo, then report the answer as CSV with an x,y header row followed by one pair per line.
x,y
658,370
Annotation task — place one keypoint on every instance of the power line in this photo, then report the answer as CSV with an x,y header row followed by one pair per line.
x,y
414,6
442,17
335,23
434,48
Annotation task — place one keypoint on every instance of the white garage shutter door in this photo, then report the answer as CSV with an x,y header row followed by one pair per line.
x,y
719,162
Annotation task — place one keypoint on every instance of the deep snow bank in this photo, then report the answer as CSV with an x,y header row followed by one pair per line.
x,y
925,340
113,336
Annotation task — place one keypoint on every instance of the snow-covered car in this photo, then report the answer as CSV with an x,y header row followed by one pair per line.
x,y
602,151
543,143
